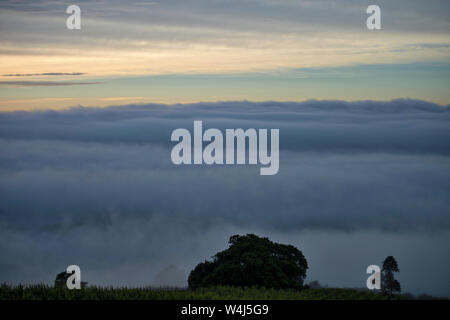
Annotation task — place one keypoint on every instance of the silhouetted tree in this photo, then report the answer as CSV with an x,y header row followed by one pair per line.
x,y
388,282
61,279
252,261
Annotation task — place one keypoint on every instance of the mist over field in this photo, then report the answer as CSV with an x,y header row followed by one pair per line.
x,y
96,187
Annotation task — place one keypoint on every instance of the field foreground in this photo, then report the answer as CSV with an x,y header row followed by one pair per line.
x,y
45,292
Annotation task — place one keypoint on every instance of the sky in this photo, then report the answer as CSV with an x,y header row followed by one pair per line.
x,y
86,118
201,50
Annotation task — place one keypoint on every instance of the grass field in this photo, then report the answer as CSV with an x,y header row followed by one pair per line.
x,y
45,292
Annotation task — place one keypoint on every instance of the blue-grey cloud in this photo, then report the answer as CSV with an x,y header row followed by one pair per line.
x,y
405,15
343,165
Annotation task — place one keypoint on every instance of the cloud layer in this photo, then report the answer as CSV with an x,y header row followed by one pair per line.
x,y
342,165
221,36
101,182
44,83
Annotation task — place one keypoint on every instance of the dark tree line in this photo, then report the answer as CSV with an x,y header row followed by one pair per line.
x,y
254,261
